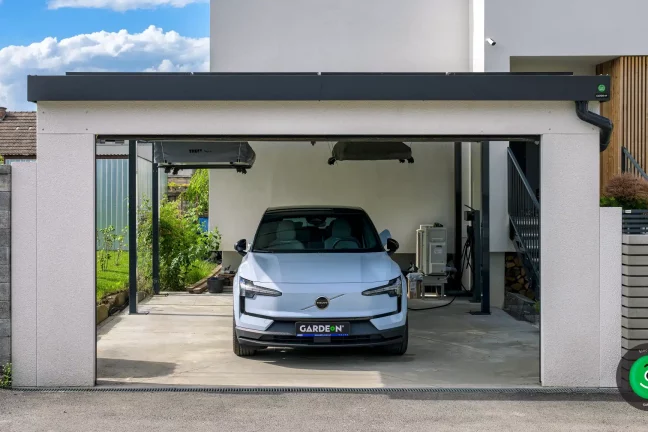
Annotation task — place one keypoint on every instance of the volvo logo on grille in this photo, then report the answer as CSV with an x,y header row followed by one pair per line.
x,y
322,303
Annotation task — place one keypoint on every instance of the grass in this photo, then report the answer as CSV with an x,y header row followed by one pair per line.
x,y
199,270
114,278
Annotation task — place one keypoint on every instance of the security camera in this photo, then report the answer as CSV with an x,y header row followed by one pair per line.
x,y
491,41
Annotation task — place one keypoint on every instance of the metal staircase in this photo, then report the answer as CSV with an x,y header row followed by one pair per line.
x,y
630,165
524,222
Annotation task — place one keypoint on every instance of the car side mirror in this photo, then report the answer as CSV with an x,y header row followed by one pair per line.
x,y
384,236
392,246
241,247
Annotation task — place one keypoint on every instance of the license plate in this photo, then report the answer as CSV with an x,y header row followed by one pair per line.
x,y
306,329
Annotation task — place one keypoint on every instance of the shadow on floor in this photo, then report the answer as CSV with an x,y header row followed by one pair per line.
x,y
121,368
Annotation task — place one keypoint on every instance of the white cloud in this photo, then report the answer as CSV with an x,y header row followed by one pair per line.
x,y
152,50
119,5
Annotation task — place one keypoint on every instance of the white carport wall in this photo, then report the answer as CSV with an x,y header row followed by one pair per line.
x,y
63,298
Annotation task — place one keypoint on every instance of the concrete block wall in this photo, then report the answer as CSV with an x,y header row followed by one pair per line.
x,y
5,243
635,292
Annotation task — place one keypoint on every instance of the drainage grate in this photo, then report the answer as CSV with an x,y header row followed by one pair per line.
x,y
224,390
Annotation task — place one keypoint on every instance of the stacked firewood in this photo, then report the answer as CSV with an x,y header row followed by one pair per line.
x,y
517,280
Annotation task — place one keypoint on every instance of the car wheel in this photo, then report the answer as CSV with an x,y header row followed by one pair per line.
x,y
401,347
240,350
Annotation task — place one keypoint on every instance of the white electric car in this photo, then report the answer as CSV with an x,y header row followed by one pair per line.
x,y
319,277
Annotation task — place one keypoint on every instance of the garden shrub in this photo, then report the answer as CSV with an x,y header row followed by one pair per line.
x,y
182,243
627,191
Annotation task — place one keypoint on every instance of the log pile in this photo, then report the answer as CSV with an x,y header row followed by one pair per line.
x,y
517,280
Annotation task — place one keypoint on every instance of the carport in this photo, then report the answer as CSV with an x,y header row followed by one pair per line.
x,y
74,110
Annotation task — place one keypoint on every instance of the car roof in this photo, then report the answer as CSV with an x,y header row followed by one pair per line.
x,y
307,208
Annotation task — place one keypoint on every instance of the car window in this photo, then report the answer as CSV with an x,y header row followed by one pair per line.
x,y
312,231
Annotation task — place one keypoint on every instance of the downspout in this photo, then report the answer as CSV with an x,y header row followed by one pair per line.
x,y
603,123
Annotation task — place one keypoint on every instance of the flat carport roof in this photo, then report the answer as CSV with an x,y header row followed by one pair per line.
x,y
450,86
81,86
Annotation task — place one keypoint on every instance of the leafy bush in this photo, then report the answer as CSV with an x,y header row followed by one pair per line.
x,y
182,243
627,191
5,376
197,193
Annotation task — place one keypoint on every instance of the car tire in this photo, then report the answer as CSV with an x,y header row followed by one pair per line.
x,y
240,350
400,348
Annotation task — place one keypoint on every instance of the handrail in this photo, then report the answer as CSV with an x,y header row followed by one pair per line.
x,y
523,178
627,156
524,219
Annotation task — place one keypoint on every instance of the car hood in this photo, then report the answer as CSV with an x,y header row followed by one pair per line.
x,y
318,267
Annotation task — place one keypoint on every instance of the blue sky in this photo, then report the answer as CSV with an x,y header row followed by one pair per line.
x,y
55,36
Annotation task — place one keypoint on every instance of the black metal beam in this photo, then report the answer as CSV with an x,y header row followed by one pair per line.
x,y
323,139
458,212
318,87
132,226
155,204
477,257
485,230
204,166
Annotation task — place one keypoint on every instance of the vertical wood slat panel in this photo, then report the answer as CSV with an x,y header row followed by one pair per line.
x,y
628,109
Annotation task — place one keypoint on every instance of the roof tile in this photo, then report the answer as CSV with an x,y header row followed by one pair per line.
x,y
18,134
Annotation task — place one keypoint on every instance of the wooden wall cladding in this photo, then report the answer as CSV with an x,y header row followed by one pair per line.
x,y
628,109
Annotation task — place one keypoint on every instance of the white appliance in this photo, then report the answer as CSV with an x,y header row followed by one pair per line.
x,y
431,249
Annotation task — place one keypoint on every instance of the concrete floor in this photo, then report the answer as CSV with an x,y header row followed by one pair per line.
x,y
186,339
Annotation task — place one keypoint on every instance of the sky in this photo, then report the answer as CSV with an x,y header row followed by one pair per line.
x,y
51,37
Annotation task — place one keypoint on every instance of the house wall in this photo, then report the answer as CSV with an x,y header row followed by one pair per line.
x,y
339,36
563,28
398,197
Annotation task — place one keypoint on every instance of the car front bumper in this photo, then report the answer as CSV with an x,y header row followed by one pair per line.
x,y
281,334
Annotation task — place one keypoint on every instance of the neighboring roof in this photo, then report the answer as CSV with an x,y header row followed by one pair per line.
x,y
81,86
18,134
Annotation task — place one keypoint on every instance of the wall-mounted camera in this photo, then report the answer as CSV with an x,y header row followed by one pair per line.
x,y
491,41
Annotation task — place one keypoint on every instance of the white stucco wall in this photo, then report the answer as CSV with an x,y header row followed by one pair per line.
x,y
339,36
398,197
563,28
65,256
611,295
24,347
569,241
570,229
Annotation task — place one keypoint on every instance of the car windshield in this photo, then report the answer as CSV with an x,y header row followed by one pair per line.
x,y
305,231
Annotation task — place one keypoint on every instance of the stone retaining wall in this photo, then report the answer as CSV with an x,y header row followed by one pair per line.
x,y
5,282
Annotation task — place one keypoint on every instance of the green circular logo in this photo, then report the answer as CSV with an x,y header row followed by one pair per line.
x,y
638,377
332,328
602,88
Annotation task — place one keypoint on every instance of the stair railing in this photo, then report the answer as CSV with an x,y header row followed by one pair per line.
x,y
524,217
630,165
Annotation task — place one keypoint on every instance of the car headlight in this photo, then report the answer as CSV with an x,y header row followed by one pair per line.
x,y
249,290
394,288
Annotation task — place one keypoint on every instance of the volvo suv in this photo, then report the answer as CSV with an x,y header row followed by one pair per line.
x,y
319,277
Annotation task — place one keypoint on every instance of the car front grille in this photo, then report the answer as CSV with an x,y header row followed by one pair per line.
x,y
337,340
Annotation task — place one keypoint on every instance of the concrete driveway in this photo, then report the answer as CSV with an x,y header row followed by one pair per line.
x,y
186,339
315,412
